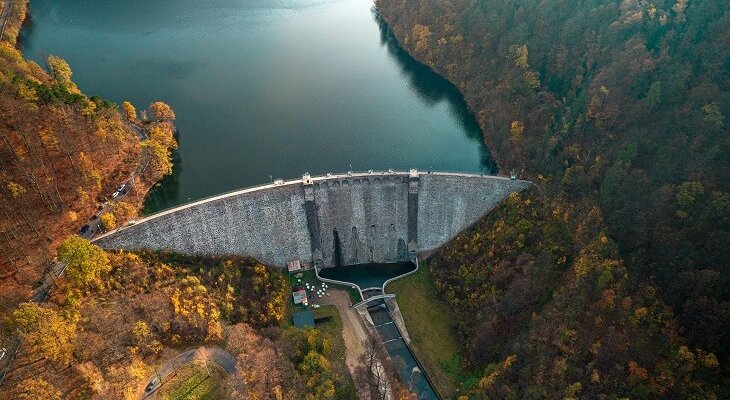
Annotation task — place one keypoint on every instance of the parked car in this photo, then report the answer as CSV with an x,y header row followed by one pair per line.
x,y
84,229
151,385
114,195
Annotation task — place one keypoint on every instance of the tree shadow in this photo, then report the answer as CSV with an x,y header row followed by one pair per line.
x,y
432,88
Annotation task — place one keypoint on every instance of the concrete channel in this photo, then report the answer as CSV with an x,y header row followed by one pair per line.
x,y
406,364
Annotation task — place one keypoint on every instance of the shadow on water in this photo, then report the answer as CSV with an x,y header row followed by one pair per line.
x,y
433,88
367,275
166,191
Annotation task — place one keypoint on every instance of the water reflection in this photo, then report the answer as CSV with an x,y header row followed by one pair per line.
x,y
263,88
367,275
433,88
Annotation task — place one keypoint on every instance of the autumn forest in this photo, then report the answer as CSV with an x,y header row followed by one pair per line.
x,y
608,279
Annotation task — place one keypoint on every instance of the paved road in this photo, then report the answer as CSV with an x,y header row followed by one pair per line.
x,y
7,6
210,354
56,269
95,223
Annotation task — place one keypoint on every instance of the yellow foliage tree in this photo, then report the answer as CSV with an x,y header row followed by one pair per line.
x,y
45,332
421,34
85,261
516,129
108,221
36,388
162,111
129,111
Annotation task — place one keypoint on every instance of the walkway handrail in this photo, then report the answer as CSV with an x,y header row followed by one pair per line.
x,y
336,282
320,178
401,276
378,297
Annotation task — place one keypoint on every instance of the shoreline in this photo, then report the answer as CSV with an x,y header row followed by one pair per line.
x,y
469,106
17,19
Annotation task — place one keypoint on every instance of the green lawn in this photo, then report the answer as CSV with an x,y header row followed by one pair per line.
x,y
191,382
429,325
331,329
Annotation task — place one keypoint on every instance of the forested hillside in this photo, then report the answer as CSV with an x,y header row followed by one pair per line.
x,y
117,317
617,110
62,153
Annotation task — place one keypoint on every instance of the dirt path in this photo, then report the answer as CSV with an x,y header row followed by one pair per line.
x,y
354,334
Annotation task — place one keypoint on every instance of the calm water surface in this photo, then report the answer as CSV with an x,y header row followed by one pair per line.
x,y
367,275
263,88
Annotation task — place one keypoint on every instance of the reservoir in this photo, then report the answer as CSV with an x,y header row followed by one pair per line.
x,y
263,89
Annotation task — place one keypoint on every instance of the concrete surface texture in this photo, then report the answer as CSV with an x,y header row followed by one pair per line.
x,y
352,218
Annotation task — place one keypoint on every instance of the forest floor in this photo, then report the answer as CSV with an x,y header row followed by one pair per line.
x,y
429,326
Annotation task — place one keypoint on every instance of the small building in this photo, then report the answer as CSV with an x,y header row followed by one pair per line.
x,y
300,297
303,318
294,266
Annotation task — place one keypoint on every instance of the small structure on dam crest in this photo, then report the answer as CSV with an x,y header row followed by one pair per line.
x,y
346,219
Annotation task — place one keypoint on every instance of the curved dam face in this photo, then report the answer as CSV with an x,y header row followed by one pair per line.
x,y
346,219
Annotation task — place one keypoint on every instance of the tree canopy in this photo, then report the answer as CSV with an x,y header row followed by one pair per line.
x,y
85,262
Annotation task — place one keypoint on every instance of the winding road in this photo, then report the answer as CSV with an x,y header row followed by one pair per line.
x,y
210,354
7,6
56,268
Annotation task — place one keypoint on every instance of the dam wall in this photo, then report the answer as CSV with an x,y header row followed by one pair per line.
x,y
348,219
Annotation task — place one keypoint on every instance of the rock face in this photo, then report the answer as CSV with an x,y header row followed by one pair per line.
x,y
347,219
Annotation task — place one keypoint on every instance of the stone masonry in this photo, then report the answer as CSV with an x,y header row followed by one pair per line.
x,y
377,217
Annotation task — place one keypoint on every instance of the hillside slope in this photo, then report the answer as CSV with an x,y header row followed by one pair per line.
x,y
617,110
61,154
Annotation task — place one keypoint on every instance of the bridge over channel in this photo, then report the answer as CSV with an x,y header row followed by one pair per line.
x,y
337,219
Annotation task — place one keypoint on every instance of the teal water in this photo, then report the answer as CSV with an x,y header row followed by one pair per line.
x,y
367,275
263,88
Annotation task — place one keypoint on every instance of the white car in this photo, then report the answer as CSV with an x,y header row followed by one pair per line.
x,y
115,194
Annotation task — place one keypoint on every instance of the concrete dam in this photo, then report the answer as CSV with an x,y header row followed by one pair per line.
x,y
342,219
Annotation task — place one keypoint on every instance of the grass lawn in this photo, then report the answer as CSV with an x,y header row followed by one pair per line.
x,y
331,329
429,325
191,382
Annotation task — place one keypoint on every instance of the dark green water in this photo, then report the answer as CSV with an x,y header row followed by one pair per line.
x,y
263,87
367,275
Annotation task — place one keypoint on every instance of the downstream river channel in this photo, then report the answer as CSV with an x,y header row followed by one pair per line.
x,y
263,88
